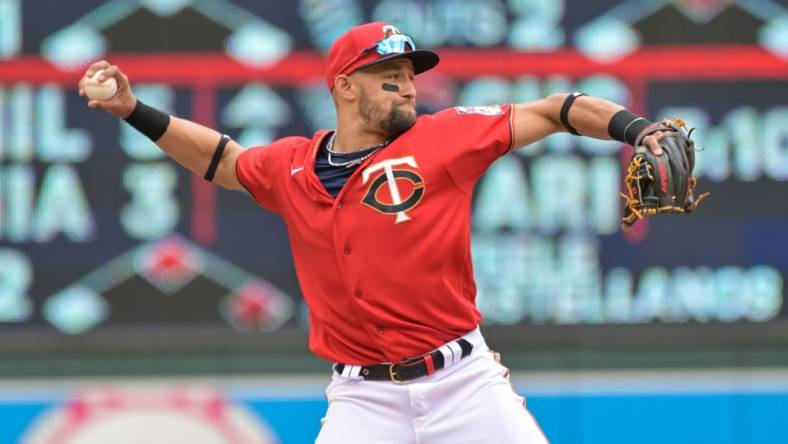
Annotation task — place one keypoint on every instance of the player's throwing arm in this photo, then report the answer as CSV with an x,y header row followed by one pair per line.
x,y
200,149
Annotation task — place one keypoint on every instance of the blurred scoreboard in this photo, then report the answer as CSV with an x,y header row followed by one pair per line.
x,y
100,232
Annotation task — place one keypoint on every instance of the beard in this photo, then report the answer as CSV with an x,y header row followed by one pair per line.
x,y
393,123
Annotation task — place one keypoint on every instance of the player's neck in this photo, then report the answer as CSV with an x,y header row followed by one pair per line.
x,y
351,138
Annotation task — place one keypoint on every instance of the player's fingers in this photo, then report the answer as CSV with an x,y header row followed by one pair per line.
x,y
123,81
96,66
82,82
111,71
653,145
658,135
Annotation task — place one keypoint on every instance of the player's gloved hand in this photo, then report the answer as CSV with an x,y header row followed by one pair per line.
x,y
661,180
122,103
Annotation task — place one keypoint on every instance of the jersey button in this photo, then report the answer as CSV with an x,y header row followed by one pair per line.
x,y
381,330
339,205
347,249
358,294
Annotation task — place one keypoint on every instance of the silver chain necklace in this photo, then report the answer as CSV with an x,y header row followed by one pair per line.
x,y
372,150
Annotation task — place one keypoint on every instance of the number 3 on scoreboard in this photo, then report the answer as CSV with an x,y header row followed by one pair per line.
x,y
16,274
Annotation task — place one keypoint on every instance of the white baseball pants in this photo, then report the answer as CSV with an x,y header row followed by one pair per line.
x,y
469,402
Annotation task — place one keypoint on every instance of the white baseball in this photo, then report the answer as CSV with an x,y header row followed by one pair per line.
x,y
96,90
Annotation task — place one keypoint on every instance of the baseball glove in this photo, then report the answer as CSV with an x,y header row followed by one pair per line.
x,y
664,183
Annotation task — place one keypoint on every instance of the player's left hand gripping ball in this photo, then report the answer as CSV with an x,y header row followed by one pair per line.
x,y
661,183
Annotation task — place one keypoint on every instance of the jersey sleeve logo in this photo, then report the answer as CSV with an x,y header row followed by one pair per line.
x,y
494,110
394,204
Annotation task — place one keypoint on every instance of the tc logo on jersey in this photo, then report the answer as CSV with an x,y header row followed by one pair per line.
x,y
394,204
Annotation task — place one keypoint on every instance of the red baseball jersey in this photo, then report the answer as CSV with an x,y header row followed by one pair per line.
x,y
385,268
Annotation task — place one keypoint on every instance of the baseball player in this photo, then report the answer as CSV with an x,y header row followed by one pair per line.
x,y
378,215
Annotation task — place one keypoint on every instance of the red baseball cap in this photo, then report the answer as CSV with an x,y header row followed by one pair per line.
x,y
365,45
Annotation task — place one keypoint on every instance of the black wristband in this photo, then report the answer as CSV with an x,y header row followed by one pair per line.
x,y
570,99
626,125
217,157
148,120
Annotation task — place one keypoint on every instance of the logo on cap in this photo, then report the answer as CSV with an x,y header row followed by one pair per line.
x,y
389,30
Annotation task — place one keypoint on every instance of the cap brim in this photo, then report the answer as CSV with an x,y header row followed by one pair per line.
x,y
423,60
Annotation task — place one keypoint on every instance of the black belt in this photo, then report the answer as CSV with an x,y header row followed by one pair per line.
x,y
408,369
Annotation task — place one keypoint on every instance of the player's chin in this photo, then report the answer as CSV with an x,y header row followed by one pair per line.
x,y
398,121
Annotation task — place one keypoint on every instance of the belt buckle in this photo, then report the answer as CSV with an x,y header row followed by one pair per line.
x,y
393,375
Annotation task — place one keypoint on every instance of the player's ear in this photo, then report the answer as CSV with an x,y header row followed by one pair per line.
x,y
344,88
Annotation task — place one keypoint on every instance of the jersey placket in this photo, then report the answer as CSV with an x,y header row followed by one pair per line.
x,y
349,255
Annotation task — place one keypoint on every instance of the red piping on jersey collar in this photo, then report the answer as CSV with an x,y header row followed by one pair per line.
x,y
317,142
309,165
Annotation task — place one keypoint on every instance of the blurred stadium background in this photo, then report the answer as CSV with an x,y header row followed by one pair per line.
x,y
140,304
